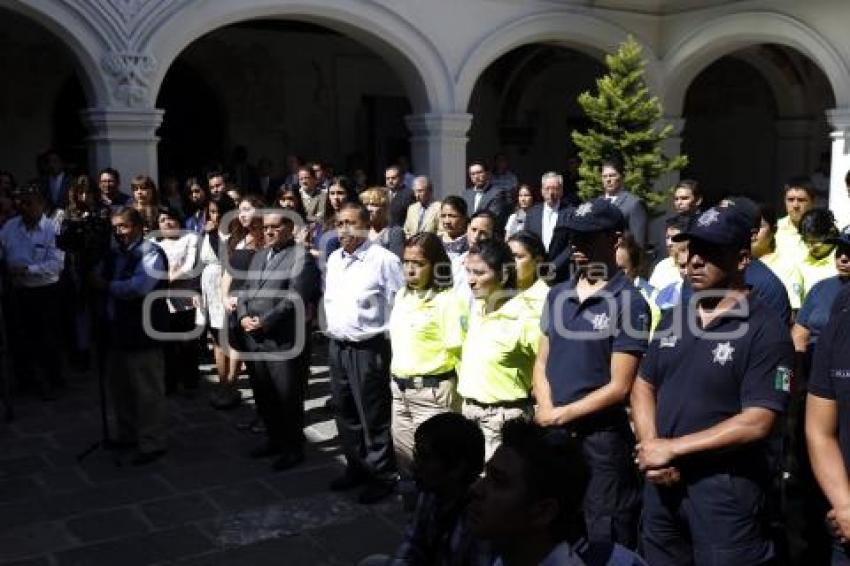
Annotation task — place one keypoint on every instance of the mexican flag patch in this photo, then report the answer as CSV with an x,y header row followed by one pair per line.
x,y
782,379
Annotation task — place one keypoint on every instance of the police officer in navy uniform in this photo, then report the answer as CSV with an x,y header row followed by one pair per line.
x,y
595,333
713,383
828,422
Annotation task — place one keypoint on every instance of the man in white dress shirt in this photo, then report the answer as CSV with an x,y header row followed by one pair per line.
x,y
33,263
360,283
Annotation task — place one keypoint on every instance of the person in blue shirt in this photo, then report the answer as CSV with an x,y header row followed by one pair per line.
x,y
814,314
713,383
828,422
594,334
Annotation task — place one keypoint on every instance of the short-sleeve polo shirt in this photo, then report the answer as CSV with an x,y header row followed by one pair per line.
x,y
584,335
830,375
500,348
814,271
427,332
818,304
703,376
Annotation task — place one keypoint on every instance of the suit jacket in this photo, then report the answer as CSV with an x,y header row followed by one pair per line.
x,y
64,187
635,213
494,199
290,269
430,222
559,250
399,205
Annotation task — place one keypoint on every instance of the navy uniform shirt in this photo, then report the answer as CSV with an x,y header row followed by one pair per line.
x,y
705,376
830,375
818,304
769,288
582,336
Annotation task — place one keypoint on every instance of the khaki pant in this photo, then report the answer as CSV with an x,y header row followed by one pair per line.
x,y
411,408
490,420
137,379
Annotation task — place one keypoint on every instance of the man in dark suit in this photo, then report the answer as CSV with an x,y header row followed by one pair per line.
x,y
401,196
57,181
275,333
546,220
613,175
484,195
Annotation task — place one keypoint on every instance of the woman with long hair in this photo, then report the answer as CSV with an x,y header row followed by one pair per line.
x,y
526,197
453,221
196,197
146,201
211,309
427,329
289,198
324,240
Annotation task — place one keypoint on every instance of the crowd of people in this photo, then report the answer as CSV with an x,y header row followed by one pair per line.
x,y
630,402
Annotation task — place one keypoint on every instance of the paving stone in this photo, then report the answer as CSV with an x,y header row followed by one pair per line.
x,y
40,561
292,551
21,513
105,525
210,474
179,510
21,446
160,546
62,479
242,496
34,539
350,542
25,465
304,481
19,488
108,495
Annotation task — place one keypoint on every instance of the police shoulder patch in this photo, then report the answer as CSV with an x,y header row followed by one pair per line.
x,y
782,379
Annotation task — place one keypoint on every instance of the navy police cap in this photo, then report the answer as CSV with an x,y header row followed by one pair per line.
x,y
597,215
722,226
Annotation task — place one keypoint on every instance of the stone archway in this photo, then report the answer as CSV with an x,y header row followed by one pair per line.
x,y
46,88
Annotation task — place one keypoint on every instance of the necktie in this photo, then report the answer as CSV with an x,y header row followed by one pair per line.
x,y
421,218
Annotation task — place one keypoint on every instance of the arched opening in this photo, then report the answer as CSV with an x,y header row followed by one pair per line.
x,y
755,118
525,106
280,88
42,98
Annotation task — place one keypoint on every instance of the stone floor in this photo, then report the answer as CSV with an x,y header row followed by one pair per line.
x,y
204,503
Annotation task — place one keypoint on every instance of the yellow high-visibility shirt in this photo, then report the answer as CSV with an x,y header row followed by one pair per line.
x,y
789,243
814,270
500,348
666,272
787,269
427,331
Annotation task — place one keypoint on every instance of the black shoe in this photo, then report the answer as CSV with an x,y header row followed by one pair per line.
x,y
375,491
264,451
288,460
345,482
144,458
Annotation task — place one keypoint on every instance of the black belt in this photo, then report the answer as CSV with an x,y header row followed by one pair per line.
x,y
512,404
422,381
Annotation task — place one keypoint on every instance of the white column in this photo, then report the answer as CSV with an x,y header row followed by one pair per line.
x,y
839,202
670,147
124,139
793,151
438,147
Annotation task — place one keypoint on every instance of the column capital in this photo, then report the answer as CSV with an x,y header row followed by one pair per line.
x,y
839,120
122,124
452,125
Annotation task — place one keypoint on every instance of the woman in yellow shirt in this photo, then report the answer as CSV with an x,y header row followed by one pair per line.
x,y
494,376
427,329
